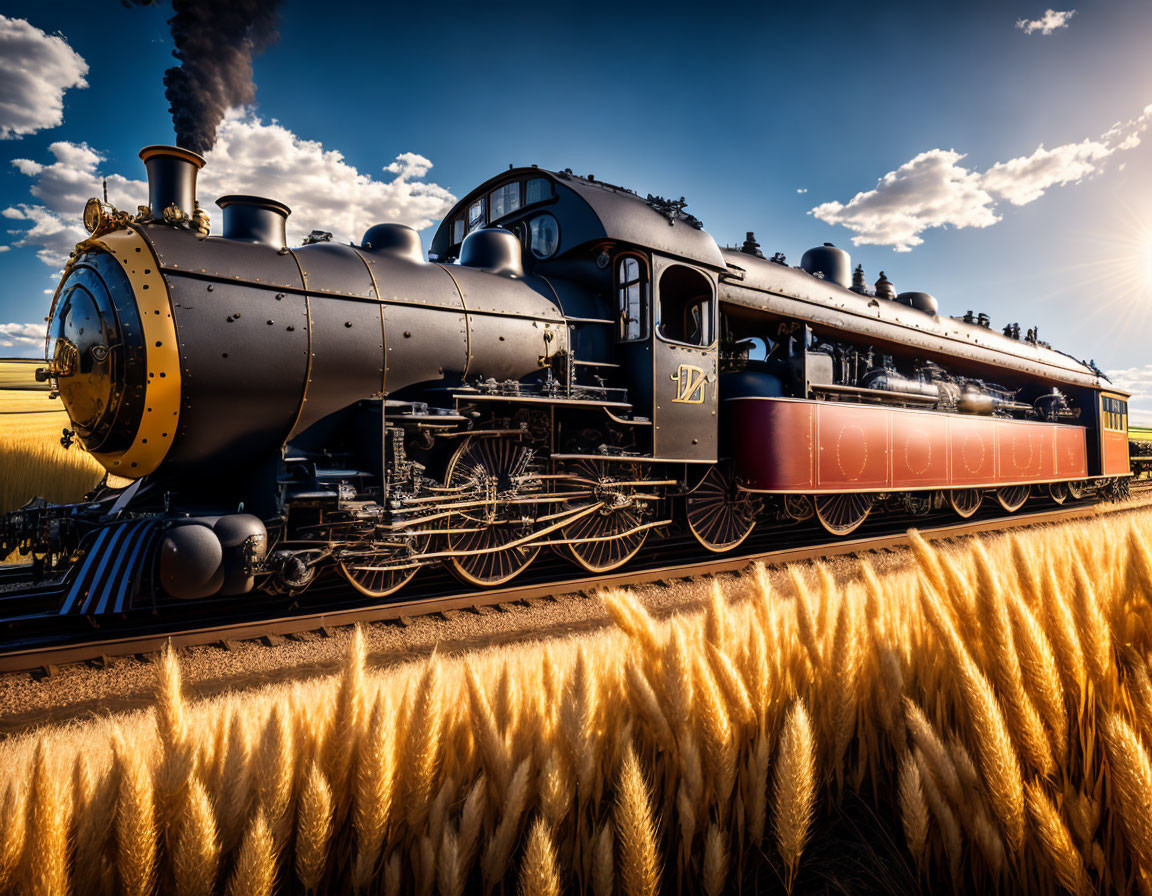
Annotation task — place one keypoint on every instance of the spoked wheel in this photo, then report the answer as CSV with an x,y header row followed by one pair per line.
x,y
842,514
379,570
1012,497
719,514
500,481
1077,489
1058,491
965,501
610,535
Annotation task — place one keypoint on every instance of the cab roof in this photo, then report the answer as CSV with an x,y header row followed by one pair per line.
x,y
589,210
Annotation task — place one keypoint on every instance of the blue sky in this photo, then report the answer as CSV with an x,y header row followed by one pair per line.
x,y
1004,169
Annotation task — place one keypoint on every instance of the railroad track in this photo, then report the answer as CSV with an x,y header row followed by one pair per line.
x,y
329,606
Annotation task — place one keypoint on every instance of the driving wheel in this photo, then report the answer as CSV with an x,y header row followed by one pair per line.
x,y
496,484
719,514
611,532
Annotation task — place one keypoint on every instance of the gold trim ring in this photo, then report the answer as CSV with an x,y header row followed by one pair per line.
x,y
161,412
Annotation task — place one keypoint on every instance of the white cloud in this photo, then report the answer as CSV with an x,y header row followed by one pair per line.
x,y
1047,23
5,248
801,189
1138,381
935,190
932,190
22,335
323,190
35,70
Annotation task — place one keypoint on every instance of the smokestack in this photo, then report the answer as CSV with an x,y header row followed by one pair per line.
x,y
254,219
171,182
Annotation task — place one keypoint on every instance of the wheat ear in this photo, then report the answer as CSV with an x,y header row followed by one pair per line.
x,y
196,852
499,849
275,761
177,751
340,747
538,875
715,869
602,875
13,829
716,624
313,828
421,751
372,800
639,858
648,706
805,621
913,809
1057,843
1042,677
1132,778
135,821
997,754
794,795
493,749
255,871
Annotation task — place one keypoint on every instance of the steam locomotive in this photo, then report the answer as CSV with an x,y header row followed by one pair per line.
x,y
573,367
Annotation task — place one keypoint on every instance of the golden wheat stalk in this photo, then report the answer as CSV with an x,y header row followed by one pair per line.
x,y
313,828
136,833
538,874
578,724
499,849
719,738
1065,861
913,808
13,828
255,870
490,741
275,761
421,750
602,862
639,857
995,749
341,743
46,841
196,852
794,794
1132,780
715,868
372,797
716,617
945,817
648,707
805,621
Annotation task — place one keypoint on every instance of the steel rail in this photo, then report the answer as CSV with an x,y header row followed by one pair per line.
x,y
51,655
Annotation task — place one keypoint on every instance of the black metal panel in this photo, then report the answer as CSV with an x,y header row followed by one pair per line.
x,y
336,269
512,347
424,345
347,356
401,280
182,251
244,359
528,297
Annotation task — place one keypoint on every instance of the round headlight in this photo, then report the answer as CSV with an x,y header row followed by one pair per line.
x,y
94,214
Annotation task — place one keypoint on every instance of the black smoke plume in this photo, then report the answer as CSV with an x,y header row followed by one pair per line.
x,y
215,42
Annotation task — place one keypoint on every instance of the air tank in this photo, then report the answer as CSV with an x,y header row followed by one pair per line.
x,y
834,265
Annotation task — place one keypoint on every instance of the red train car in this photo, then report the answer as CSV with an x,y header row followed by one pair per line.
x,y
834,398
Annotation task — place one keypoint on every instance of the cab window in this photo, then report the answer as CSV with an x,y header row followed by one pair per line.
x,y
476,215
504,200
685,308
632,298
1115,414
537,190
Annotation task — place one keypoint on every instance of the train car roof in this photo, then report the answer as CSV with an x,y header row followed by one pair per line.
x,y
590,210
763,285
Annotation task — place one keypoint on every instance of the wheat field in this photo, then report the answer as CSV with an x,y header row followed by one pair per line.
x,y
981,721
33,463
